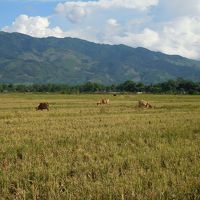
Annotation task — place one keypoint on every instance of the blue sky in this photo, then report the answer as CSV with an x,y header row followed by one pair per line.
x,y
9,9
172,27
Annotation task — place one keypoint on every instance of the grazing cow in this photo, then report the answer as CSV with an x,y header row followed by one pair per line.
x,y
144,104
103,101
42,106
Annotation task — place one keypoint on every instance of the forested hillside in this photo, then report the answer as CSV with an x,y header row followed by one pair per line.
x,y
24,59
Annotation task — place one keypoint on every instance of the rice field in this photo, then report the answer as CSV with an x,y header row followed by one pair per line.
x,y
78,150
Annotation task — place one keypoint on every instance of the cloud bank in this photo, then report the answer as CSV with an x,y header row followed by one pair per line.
x,y
34,26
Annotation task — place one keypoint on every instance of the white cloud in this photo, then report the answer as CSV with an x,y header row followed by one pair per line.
x,y
132,4
181,8
181,36
75,11
147,38
112,22
34,26
40,27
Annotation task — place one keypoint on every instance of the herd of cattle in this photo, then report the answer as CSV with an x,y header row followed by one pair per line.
x,y
141,104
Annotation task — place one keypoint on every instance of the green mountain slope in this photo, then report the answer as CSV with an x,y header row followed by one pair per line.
x,y
24,59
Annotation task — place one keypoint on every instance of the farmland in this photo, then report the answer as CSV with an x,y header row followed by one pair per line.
x,y
78,150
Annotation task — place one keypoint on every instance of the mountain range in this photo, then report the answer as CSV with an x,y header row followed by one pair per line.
x,y
25,59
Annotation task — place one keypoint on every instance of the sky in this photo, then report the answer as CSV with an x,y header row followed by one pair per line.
x,y
172,27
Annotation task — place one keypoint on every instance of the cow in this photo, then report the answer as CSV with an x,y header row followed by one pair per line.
x,y
42,106
103,101
144,104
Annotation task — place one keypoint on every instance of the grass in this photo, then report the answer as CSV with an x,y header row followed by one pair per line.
x,y
79,150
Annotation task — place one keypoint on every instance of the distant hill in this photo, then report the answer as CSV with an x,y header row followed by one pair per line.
x,y
24,59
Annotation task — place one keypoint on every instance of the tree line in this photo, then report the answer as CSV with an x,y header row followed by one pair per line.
x,y
178,86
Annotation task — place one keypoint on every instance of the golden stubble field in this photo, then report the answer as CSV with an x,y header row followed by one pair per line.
x,y
79,150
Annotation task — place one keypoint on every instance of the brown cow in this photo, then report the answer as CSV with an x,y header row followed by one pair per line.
x,y
103,101
42,106
144,104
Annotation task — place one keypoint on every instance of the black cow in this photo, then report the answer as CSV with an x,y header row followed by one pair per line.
x,y
42,106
